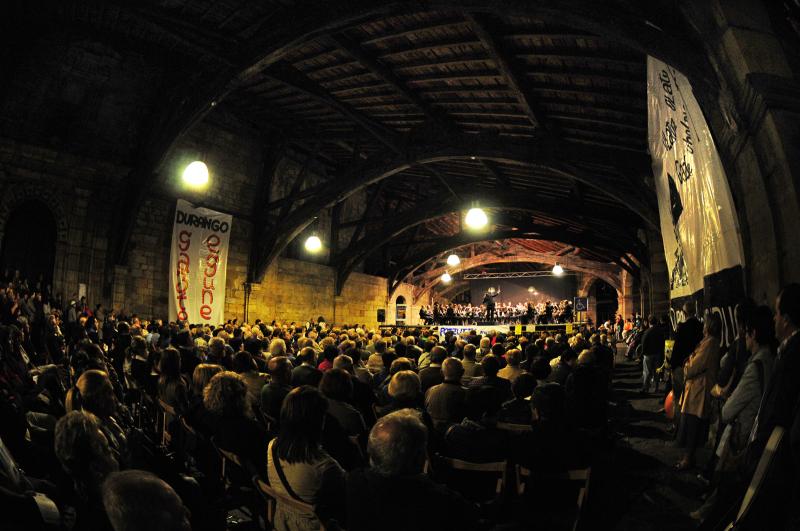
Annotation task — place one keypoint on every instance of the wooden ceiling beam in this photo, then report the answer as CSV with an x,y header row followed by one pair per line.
x,y
384,73
505,68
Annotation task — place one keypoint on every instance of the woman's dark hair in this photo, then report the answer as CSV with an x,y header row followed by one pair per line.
x,y
336,385
170,364
330,352
760,323
523,385
540,368
714,324
549,400
243,362
300,433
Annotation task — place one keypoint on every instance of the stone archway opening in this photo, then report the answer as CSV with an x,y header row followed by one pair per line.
x,y
29,243
606,300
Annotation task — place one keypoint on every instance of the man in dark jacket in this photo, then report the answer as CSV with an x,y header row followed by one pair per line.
x,y
652,352
306,373
432,374
776,502
396,450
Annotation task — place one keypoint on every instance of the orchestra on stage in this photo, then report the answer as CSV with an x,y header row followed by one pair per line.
x,y
503,313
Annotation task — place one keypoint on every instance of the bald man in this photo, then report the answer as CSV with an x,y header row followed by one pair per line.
x,y
396,451
445,402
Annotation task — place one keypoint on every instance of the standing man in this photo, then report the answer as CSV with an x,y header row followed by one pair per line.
x,y
652,353
488,301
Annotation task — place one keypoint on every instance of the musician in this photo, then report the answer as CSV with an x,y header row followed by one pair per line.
x,y
488,302
425,316
437,313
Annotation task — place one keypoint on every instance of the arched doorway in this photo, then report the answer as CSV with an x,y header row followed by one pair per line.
x,y
401,310
606,299
29,243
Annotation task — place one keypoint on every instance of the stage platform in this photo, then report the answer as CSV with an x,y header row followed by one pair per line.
x,y
515,329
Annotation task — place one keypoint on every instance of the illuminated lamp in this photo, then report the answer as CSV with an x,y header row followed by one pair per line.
x,y
313,244
476,218
196,174
453,260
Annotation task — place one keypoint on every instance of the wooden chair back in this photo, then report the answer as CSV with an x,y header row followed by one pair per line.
x,y
516,428
496,469
167,414
580,475
764,464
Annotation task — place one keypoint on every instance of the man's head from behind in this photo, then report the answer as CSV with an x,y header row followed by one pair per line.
x,y
438,355
397,444
280,368
787,311
452,370
136,500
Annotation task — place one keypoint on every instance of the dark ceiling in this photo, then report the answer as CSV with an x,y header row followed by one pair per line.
x,y
535,110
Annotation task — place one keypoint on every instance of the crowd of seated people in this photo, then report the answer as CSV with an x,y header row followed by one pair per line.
x,y
341,418
308,406
543,312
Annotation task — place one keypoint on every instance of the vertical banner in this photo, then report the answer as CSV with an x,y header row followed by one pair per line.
x,y
197,263
699,227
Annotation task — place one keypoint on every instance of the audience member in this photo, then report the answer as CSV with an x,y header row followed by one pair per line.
x,y
298,467
397,456
136,500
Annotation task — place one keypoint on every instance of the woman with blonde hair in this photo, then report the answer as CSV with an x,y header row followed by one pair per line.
x,y
85,455
225,397
94,394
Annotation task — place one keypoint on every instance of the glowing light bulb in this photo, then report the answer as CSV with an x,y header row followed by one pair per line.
x,y
558,270
313,244
196,174
453,260
446,278
476,218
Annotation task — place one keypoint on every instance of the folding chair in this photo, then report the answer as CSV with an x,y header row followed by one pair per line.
x,y
515,428
764,464
581,475
168,414
496,470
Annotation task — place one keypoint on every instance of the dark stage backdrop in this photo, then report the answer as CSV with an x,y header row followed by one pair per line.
x,y
515,290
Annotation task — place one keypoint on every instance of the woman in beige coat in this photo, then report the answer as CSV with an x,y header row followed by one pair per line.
x,y
700,373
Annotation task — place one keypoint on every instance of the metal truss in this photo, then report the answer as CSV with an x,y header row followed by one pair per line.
x,y
513,274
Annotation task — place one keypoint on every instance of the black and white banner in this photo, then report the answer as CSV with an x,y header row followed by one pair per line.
x,y
198,262
698,221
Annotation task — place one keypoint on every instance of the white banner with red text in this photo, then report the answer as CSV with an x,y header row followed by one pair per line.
x,y
198,262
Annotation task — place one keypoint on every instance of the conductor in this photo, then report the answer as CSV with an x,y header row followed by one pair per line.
x,y
488,301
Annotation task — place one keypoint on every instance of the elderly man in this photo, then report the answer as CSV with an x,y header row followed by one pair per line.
x,y
397,456
432,374
512,368
445,402
471,367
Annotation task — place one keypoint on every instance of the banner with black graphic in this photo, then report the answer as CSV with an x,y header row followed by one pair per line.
x,y
197,265
699,227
